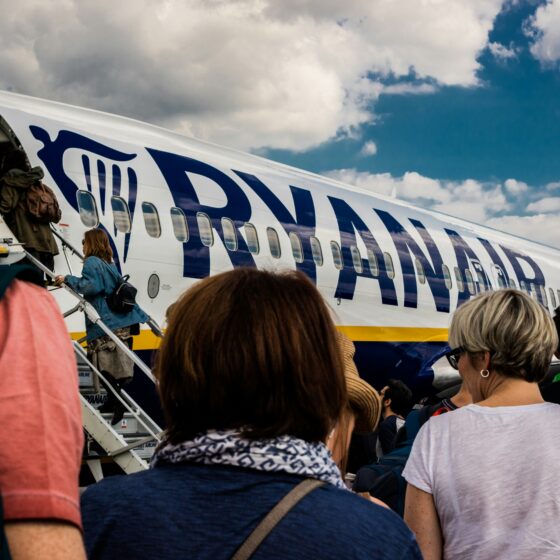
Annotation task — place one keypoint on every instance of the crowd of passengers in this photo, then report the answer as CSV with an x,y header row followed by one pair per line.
x,y
266,415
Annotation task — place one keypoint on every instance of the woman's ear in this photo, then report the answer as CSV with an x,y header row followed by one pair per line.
x,y
480,360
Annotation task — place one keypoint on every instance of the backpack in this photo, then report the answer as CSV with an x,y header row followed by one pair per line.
x,y
41,204
123,297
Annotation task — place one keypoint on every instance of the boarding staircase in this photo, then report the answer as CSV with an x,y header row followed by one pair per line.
x,y
131,443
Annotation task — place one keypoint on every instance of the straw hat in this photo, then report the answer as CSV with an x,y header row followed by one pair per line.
x,y
363,398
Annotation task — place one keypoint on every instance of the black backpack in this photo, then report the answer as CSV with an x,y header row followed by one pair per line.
x,y
7,274
123,298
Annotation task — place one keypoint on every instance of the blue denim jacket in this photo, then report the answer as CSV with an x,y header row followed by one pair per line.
x,y
96,283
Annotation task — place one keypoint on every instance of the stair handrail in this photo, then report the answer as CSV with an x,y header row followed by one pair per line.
x,y
95,318
67,243
154,434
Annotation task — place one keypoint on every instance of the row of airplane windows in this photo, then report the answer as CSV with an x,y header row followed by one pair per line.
x,y
121,214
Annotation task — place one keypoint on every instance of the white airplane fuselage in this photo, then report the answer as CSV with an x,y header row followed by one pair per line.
x,y
178,210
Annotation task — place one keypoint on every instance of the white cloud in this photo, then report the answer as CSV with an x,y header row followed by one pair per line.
x,y
246,73
555,185
541,227
369,149
515,187
408,88
501,52
544,27
547,205
468,199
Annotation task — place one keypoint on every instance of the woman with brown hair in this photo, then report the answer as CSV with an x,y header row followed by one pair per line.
x,y
99,279
251,381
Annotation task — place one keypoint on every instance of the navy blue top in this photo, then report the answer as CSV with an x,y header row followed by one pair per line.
x,y
191,511
99,279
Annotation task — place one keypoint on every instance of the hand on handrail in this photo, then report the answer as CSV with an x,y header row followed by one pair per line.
x,y
58,280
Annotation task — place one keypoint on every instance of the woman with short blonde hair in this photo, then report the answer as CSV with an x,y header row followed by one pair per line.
x,y
481,480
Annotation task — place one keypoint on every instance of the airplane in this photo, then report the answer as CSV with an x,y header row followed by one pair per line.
x,y
179,209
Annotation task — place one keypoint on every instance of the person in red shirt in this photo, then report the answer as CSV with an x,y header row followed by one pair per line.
x,y
41,435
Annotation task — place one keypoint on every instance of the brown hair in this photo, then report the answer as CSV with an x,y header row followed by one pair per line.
x,y
253,350
96,244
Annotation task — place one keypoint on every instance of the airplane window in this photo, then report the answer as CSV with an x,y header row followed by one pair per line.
x,y
459,278
512,284
420,271
121,216
337,255
316,251
532,290
522,285
446,276
151,219
373,264
500,277
469,281
180,227
88,209
205,229
543,295
230,235
297,251
356,259
552,298
252,238
480,278
389,265
273,243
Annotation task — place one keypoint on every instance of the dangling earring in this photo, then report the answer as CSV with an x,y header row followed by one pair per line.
x,y
484,373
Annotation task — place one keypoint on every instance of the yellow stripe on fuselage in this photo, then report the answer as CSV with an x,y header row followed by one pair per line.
x,y
147,340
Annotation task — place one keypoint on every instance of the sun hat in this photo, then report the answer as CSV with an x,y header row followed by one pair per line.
x,y
364,399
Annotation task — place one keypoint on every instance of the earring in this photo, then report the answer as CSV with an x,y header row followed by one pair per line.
x,y
330,436
484,373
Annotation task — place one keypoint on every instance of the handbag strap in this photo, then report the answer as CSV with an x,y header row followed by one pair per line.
x,y
274,516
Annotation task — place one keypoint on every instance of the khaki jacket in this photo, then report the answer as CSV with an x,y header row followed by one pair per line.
x,y
34,235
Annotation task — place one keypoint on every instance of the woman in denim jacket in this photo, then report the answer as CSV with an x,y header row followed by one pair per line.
x,y
99,279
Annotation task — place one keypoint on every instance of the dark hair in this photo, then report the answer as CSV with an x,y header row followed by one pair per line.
x,y
96,244
400,395
253,350
16,159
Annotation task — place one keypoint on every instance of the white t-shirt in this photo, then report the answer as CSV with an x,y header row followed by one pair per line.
x,y
494,474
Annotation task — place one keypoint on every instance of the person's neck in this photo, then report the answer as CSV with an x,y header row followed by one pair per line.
x,y
508,391
462,398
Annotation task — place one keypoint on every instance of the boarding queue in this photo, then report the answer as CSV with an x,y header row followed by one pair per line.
x,y
265,414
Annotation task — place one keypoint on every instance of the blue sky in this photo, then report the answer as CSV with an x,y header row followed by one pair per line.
x,y
452,104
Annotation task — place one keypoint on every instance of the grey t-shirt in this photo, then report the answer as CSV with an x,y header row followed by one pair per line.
x,y
493,473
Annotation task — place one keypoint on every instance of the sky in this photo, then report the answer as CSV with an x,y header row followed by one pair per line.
x,y
452,105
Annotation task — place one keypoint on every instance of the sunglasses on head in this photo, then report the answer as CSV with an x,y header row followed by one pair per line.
x,y
453,356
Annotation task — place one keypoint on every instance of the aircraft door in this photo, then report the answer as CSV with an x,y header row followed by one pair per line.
x,y
499,277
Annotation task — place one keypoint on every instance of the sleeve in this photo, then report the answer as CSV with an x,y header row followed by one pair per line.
x,y
419,467
387,431
91,281
41,438
9,198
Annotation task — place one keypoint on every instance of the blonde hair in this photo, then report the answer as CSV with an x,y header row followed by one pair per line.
x,y
517,332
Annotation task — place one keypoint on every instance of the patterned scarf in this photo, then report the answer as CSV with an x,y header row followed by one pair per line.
x,y
285,454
